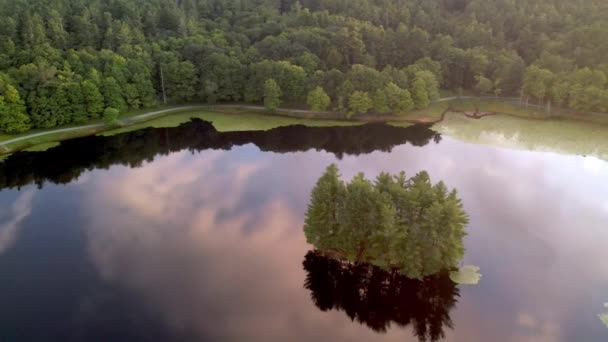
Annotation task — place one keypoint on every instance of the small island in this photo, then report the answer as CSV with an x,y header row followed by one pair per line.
x,y
396,223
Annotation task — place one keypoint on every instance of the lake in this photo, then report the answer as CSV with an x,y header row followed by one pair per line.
x,y
189,234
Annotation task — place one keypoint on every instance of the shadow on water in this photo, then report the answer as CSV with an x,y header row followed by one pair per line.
x,y
66,162
377,298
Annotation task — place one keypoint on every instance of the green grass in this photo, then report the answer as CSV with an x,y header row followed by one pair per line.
x,y
551,135
42,147
49,138
231,121
122,116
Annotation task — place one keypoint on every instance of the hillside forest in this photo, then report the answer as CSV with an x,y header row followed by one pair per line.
x,y
70,61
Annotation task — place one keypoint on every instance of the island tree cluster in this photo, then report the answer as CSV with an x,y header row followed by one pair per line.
x,y
395,223
67,61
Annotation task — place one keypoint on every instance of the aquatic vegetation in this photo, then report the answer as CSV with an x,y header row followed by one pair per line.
x,y
548,135
466,275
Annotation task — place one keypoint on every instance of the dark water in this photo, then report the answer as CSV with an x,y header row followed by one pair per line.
x,y
187,234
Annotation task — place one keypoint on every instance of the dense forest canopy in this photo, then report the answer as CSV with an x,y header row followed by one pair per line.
x,y
67,61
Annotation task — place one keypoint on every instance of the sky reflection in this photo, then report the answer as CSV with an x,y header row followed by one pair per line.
x,y
212,242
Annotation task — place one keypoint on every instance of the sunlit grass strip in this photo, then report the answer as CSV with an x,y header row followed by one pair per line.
x,y
30,143
42,147
231,121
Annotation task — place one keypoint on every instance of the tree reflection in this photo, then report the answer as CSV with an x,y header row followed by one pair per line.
x,y
68,161
377,298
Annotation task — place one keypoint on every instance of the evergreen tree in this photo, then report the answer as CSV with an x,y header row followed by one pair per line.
x,y
395,223
321,225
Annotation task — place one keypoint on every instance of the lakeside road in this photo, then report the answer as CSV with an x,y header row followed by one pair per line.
x,y
99,125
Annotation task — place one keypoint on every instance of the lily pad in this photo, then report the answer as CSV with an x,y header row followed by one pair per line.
x,y
466,275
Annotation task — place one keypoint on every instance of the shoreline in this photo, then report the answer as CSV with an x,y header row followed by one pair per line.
x,y
430,116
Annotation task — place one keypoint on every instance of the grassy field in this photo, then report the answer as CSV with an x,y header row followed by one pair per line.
x,y
231,121
46,139
550,135
42,147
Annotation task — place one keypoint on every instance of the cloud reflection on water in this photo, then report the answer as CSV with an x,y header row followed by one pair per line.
x,y
19,211
213,241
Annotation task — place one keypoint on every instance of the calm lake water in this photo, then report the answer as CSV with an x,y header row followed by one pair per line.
x,y
187,234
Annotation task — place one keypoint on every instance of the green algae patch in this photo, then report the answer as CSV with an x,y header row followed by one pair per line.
x,y
466,275
547,135
231,122
42,147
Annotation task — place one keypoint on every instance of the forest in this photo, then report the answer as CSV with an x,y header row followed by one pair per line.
x,y
74,61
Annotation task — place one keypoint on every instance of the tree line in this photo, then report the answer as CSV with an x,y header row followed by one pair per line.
x,y
395,223
69,61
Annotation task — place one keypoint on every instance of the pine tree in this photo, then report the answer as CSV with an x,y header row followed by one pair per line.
x,y
395,223
321,226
